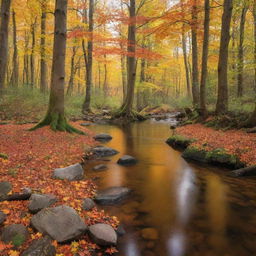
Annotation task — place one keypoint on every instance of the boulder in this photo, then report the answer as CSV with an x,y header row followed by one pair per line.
x,y
127,160
149,234
112,195
100,167
103,137
85,124
2,217
88,204
62,223
16,234
102,151
72,172
24,195
41,247
38,202
5,188
103,234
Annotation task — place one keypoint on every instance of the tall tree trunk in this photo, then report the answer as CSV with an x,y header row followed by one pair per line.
x,y
32,56
204,71
15,71
105,83
72,72
26,60
43,65
89,60
195,72
5,17
240,66
55,116
254,18
222,100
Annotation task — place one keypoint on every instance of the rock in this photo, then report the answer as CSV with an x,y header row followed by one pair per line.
x,y
102,151
2,217
127,160
112,195
100,167
24,195
17,234
103,234
88,204
85,124
149,234
5,188
41,247
72,172
248,171
39,202
62,223
251,130
120,230
102,137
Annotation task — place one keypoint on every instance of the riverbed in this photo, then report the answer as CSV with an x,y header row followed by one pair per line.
x,y
176,208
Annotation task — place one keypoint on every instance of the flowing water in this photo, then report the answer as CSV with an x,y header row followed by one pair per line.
x,y
176,208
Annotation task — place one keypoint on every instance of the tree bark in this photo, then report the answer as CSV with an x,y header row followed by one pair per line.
x,y
72,72
204,71
32,56
5,17
55,116
240,66
195,72
89,60
43,65
222,100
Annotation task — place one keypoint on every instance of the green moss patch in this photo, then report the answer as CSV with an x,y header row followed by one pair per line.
x,y
178,141
3,156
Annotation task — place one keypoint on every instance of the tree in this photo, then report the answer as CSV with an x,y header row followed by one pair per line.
x,y
222,100
55,116
5,17
204,70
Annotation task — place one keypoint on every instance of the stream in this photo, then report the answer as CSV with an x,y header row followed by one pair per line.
x,y
176,208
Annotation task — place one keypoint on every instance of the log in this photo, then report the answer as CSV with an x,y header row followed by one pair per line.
x,y
247,171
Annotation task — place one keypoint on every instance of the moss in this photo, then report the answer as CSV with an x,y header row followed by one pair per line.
x,y
4,156
179,141
194,153
18,240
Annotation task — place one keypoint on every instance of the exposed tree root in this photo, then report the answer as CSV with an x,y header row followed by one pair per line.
x,y
128,115
57,122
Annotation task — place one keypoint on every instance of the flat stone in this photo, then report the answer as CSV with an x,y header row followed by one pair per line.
x,y
88,204
103,234
127,160
112,195
72,172
38,202
149,234
2,217
41,247
102,151
25,194
100,167
85,124
5,188
62,223
16,234
103,137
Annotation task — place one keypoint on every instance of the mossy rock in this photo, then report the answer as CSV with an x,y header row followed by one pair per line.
x,y
197,154
4,156
178,141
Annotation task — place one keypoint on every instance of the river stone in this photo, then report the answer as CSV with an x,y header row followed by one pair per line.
x,y
41,247
102,151
5,188
112,195
38,202
25,194
100,167
149,234
127,160
102,137
85,124
72,172
62,223
17,234
88,204
103,234
2,217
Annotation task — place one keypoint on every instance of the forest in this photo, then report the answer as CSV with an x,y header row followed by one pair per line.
x,y
127,127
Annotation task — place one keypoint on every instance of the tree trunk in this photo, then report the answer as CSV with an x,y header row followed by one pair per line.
x,y
15,71
26,64
204,71
43,65
195,73
240,66
72,72
5,17
222,100
89,60
55,116
105,83
32,56
254,17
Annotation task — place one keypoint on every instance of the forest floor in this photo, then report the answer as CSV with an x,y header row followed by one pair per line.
x,y
235,142
28,160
